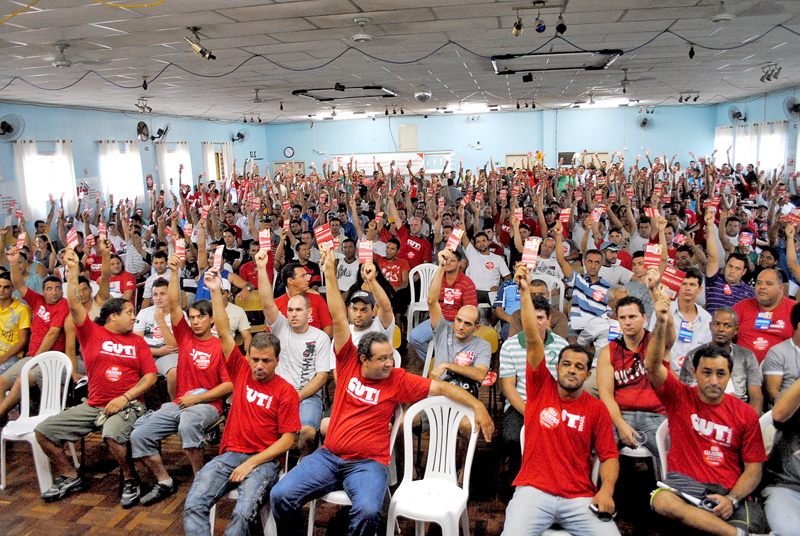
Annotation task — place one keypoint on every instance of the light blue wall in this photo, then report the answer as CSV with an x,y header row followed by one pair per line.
x,y
676,130
85,127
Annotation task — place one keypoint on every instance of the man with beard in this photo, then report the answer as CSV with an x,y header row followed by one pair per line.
x,y
559,418
486,269
120,369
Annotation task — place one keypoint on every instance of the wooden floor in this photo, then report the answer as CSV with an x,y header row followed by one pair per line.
x,y
97,511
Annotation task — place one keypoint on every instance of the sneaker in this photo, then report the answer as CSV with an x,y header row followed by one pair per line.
x,y
158,493
62,487
131,490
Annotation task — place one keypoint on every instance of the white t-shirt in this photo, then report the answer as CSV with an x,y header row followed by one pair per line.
x,y
346,273
148,284
356,336
302,354
237,318
485,270
147,325
548,267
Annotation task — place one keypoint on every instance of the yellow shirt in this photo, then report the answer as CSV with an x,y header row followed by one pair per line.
x,y
13,318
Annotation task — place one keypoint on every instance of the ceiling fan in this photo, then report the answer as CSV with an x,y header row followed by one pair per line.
x,y
62,61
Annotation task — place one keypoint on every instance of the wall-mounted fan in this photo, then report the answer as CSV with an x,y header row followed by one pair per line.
x,y
11,128
142,131
241,136
791,107
161,134
736,116
644,122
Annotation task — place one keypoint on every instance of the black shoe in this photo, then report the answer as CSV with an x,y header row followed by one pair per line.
x,y
131,490
158,493
62,487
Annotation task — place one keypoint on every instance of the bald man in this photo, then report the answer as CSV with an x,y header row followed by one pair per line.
x,y
461,358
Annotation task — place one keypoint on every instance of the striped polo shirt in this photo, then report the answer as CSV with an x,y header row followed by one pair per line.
x,y
514,359
719,293
588,300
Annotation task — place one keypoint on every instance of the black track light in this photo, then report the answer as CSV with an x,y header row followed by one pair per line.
x,y
394,111
526,105
696,97
259,118
245,119
402,112
517,105
386,111
533,105
560,26
691,52
680,99
144,84
516,30
281,106
539,25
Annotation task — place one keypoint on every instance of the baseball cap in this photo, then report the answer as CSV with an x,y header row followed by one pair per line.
x,y
363,296
608,244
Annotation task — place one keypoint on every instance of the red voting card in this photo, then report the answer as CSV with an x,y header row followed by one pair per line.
x,y
204,213
365,251
12,204
515,191
18,214
479,198
503,195
629,192
180,249
531,252
652,256
441,202
286,225
745,239
455,239
518,214
21,240
72,238
564,216
256,203
293,195
265,239
651,212
667,199
287,206
324,236
101,230
89,241
657,190
378,219
187,230
679,239
218,258
598,196
612,197
671,281
596,213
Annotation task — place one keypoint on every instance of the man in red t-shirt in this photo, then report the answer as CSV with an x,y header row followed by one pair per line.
x,y
297,280
123,284
414,247
262,425
716,449
355,456
563,424
765,320
49,312
202,384
120,369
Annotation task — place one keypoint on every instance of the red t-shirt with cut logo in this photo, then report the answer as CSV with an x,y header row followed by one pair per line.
x,y
503,231
115,362
393,270
200,363
710,443
123,282
559,437
45,317
414,249
94,263
760,334
454,297
363,408
319,317
261,412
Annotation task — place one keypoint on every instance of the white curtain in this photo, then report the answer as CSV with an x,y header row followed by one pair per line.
x,y
723,139
39,175
227,159
745,146
772,144
121,169
209,161
161,161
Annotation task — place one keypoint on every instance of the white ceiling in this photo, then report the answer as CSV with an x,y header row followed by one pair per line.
x,y
125,44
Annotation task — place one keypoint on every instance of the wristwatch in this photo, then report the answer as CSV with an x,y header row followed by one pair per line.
x,y
734,501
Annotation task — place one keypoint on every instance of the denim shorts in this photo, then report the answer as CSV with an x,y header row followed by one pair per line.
x,y
311,412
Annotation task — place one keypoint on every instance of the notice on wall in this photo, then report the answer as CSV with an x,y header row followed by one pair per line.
x,y
8,194
90,186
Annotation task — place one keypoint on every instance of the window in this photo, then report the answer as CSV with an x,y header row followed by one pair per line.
x,y
121,169
42,171
772,144
174,164
723,140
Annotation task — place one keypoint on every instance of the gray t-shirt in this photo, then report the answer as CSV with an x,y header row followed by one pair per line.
x,y
782,360
641,291
745,371
302,354
447,349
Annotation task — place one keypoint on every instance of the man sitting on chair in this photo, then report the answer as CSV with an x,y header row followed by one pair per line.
x,y
563,424
262,425
355,456
120,369
716,449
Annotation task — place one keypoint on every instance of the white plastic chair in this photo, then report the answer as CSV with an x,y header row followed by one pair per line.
x,y
340,497
642,452
767,430
419,303
553,283
661,442
56,369
426,368
595,479
437,497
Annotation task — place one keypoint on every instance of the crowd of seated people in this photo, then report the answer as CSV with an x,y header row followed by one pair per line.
x,y
626,298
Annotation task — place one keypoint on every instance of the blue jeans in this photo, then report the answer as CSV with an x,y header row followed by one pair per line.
x,y
190,423
211,484
532,511
782,507
643,421
364,481
311,412
421,336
